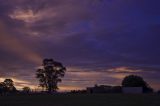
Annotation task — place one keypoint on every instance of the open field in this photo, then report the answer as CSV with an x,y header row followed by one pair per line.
x,y
81,100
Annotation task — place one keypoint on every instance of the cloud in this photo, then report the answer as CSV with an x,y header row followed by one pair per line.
x,y
123,70
26,16
108,38
15,46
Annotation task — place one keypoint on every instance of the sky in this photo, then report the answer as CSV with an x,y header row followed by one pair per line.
x,y
99,41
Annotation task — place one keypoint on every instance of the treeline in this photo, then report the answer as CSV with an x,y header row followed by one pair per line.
x,y
7,87
52,72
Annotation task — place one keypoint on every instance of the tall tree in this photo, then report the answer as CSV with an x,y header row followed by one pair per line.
x,y
50,74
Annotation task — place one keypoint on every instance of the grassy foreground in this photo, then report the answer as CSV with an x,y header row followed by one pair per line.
x,y
81,100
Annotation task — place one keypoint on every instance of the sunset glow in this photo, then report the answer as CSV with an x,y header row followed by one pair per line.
x,y
98,41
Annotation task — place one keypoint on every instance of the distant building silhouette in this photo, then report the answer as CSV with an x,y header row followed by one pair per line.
x,y
104,89
132,90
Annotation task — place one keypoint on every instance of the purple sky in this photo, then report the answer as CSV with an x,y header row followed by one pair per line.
x,y
99,41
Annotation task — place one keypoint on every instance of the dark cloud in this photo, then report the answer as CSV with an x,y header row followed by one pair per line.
x,y
90,35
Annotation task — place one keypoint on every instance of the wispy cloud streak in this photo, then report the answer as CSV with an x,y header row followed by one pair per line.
x,y
15,46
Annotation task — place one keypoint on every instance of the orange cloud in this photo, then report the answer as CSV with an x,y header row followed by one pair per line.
x,y
69,88
124,70
30,16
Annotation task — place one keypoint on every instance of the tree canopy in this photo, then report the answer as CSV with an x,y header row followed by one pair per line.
x,y
136,81
50,74
26,89
7,86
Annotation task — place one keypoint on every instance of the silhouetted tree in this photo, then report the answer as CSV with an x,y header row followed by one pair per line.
x,y
26,89
50,74
136,81
9,85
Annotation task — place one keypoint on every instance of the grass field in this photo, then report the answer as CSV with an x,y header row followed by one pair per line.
x,y
81,100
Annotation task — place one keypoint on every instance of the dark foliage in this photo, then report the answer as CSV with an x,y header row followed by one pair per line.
x,y
136,81
7,87
50,74
26,90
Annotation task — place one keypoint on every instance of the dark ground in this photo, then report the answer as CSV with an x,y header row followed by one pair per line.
x,y
81,100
